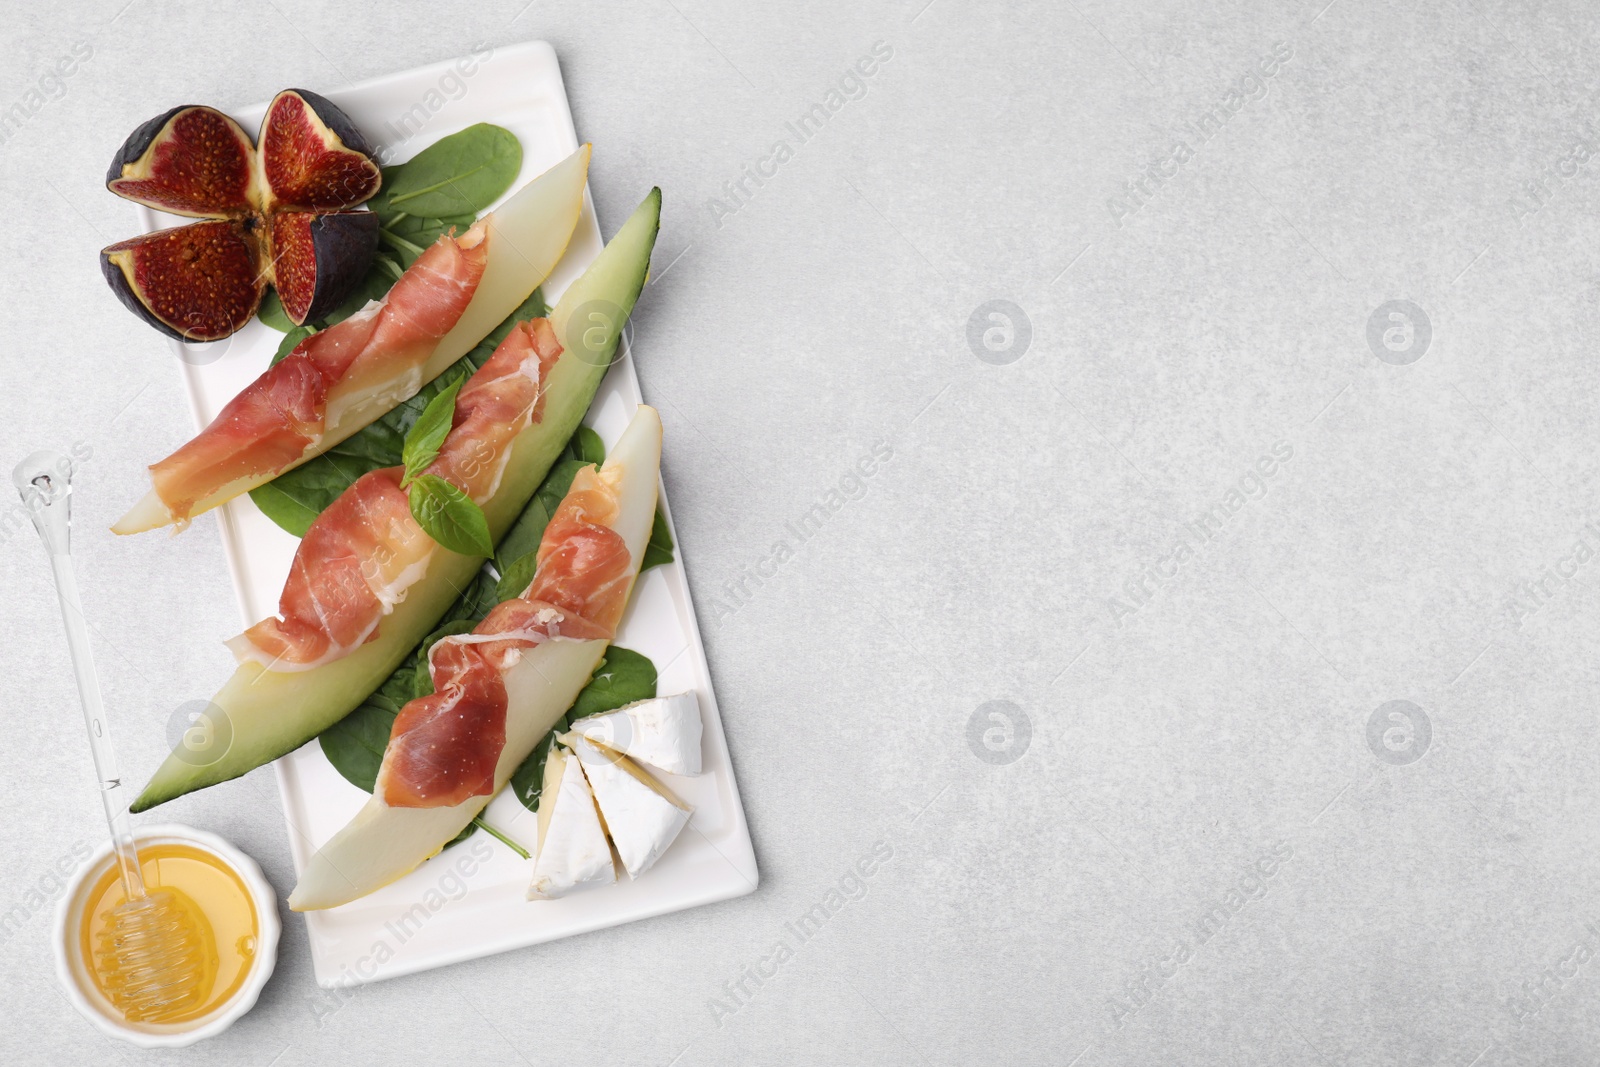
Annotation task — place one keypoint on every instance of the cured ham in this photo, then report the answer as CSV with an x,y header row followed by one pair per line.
x,y
364,552
444,748
373,358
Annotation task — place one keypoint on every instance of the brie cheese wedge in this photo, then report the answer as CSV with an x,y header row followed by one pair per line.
x,y
573,851
663,732
641,816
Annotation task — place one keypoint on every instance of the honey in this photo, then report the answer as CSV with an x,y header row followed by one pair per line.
x,y
220,903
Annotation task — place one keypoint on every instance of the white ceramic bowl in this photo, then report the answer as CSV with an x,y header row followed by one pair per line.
x,y
72,971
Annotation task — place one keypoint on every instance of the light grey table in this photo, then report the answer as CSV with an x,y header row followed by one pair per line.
x,y
1288,413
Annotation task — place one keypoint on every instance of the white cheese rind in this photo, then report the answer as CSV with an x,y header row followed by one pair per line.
x,y
663,732
573,852
642,818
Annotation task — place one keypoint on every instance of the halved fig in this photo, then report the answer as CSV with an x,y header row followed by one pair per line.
x,y
282,215
312,156
318,260
192,160
198,282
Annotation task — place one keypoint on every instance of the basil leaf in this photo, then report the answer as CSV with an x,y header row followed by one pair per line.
x,y
463,173
296,497
659,550
429,431
449,516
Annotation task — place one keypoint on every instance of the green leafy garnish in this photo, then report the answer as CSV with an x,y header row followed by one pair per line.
x,y
271,312
450,517
586,447
460,174
291,341
623,677
659,549
428,432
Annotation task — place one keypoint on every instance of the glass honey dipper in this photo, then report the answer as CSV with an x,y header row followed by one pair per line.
x,y
152,958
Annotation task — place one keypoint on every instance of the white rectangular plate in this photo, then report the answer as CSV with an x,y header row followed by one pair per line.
x,y
469,901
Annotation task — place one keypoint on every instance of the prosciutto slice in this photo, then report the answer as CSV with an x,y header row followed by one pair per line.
x,y
362,554
365,364
444,748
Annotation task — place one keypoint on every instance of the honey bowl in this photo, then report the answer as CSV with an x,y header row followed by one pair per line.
x,y
220,884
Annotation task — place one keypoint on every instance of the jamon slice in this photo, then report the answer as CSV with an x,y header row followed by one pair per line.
x,y
363,553
501,688
443,748
371,360
351,373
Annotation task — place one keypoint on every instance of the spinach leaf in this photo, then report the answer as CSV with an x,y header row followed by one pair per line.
x,y
272,314
450,517
461,174
289,508
659,550
410,236
290,341
586,447
296,497
623,677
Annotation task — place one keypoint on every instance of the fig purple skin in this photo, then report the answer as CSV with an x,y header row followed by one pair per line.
x,y
287,203
138,142
341,245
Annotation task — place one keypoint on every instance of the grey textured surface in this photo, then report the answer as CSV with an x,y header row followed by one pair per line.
x,y
1175,843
